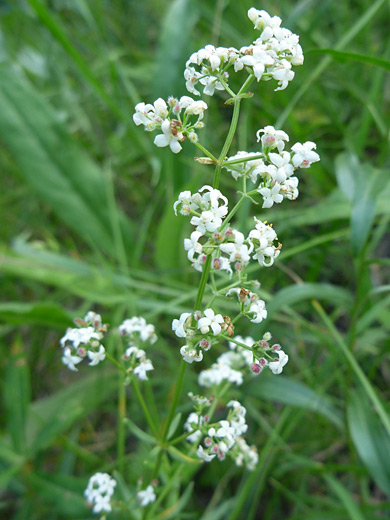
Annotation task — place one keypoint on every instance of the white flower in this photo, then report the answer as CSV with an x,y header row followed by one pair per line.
x,y
237,250
254,56
204,455
283,165
264,22
93,318
239,426
259,311
98,356
277,366
239,410
303,154
271,195
142,368
139,326
218,372
283,73
244,454
192,245
210,218
70,360
225,431
138,353
272,138
190,355
178,326
262,238
102,503
193,418
99,492
193,107
192,77
76,336
250,168
290,188
150,115
184,201
210,320
168,138
147,496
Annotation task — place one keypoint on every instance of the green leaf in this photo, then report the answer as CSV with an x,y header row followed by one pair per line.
x,y
174,46
16,393
359,183
175,509
174,424
369,438
307,291
53,164
47,314
64,494
345,497
53,415
140,434
352,56
182,457
283,390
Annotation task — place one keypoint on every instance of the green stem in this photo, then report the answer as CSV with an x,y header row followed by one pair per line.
x,y
140,398
121,446
115,362
232,212
206,152
179,384
203,282
228,141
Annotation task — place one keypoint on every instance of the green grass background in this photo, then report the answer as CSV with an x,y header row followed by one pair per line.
x,y
87,222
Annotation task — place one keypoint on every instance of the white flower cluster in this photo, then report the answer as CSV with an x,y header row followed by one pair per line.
x,y
99,492
146,496
84,341
250,304
270,56
226,247
222,437
137,331
198,330
242,360
139,364
230,366
176,126
274,169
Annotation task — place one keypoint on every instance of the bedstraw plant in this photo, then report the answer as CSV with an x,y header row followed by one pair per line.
x,y
216,428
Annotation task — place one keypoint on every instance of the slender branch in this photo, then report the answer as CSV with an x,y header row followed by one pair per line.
x,y
206,152
140,398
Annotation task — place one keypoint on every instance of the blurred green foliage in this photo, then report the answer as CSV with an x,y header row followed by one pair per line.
x,y
87,221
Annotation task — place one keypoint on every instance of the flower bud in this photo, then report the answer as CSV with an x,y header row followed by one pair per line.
x,y
256,369
193,137
218,237
205,344
217,264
